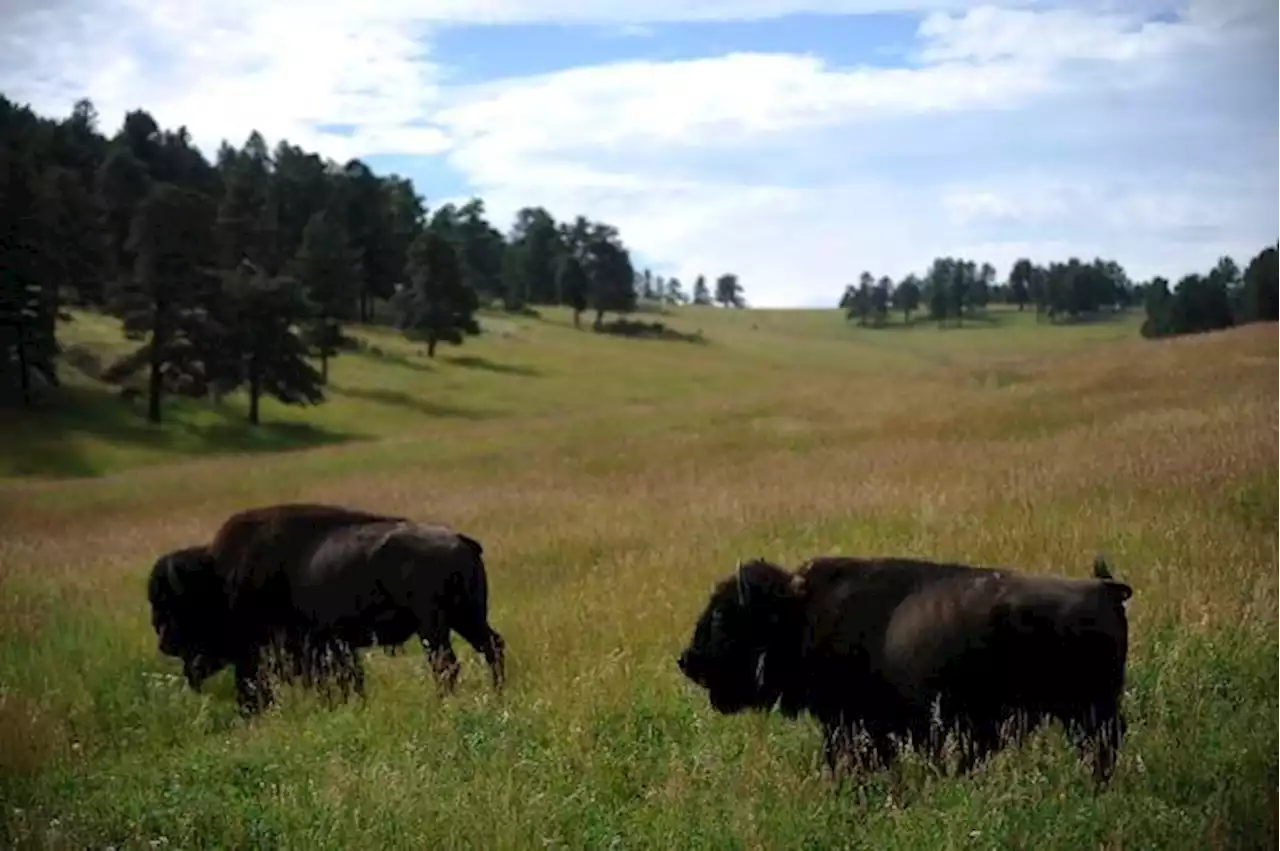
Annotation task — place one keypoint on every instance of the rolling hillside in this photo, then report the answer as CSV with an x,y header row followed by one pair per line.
x,y
612,482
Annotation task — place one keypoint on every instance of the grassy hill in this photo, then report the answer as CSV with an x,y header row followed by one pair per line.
x,y
612,482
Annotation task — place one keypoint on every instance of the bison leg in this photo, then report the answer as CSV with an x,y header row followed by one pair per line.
x,y
488,643
253,692
834,745
859,747
1099,729
336,661
978,740
434,633
351,669
444,663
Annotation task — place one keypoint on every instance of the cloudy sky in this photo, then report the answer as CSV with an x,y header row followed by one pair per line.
x,y
795,142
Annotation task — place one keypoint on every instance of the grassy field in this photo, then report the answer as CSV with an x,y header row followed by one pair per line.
x,y
612,482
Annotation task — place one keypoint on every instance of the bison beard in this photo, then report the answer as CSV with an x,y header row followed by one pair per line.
x,y
295,590
873,647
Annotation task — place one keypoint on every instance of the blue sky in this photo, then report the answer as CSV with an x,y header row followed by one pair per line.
x,y
794,142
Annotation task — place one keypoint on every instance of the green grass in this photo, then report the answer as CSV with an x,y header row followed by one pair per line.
x,y
612,482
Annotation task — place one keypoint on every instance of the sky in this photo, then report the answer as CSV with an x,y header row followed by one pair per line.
x,y
795,143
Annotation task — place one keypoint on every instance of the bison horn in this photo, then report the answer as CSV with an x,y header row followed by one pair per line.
x,y
742,586
760,669
1100,569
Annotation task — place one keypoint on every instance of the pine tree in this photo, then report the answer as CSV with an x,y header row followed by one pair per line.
x,y
270,315
437,306
166,301
328,267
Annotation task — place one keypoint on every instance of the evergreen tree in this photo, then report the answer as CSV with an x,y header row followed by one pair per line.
x,y
437,305
328,268
571,282
28,306
166,301
270,314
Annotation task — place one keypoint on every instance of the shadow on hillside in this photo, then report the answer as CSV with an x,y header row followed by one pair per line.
x,y
980,319
374,352
1103,317
483,363
647,331
47,440
400,399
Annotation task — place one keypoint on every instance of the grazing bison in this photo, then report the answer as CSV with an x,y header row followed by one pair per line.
x,y
259,590
873,647
384,582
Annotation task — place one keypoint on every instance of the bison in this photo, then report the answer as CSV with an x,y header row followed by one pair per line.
x,y
907,649
306,586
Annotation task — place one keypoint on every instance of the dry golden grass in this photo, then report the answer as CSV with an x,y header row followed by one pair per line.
x,y
612,483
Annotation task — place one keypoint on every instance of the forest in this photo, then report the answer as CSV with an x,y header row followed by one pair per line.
x,y
240,274
1074,291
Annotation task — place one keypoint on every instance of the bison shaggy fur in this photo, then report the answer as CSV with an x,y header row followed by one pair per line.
x,y
303,586
885,649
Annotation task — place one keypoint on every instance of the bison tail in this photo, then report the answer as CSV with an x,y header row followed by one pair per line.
x,y
1119,591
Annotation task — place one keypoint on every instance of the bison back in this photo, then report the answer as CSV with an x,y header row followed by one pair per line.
x,y
1000,639
849,606
256,548
376,575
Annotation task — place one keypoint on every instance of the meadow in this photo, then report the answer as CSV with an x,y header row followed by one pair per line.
x,y
613,482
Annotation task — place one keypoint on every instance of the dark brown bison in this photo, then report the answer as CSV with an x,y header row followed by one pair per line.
x,y
303,587
892,648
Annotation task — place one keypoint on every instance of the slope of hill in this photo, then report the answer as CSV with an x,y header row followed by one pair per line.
x,y
612,481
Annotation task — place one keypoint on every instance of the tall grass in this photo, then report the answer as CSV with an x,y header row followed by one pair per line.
x,y
612,482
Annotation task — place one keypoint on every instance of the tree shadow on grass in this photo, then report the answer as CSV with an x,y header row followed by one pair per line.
x,y
400,399
46,440
637,330
377,353
478,362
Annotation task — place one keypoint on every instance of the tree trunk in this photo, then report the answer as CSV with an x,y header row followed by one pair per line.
x,y
255,392
324,366
577,319
24,375
431,346
153,394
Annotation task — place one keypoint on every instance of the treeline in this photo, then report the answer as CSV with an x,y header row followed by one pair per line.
x,y
954,288
240,273
728,292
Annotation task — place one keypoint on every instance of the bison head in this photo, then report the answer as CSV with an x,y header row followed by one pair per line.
x,y
746,643
188,612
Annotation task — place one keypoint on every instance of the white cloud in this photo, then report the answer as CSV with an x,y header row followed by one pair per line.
x,y
791,171
225,69
1062,69
990,33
